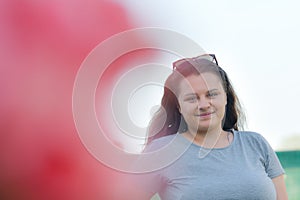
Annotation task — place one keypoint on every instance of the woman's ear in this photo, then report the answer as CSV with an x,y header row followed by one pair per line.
x,y
178,107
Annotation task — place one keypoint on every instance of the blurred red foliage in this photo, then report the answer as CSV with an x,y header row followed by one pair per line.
x,y
42,46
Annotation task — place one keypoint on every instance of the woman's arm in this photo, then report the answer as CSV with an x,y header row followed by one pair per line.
x,y
280,187
131,186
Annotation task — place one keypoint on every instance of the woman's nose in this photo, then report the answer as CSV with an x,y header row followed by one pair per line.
x,y
203,103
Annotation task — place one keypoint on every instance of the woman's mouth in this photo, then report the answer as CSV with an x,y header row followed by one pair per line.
x,y
205,114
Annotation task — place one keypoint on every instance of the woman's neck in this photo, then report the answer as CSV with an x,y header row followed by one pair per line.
x,y
214,138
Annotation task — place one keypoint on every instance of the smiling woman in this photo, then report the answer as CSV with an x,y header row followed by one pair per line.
x,y
200,108
197,86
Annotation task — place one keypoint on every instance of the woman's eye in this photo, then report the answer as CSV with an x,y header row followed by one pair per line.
x,y
213,94
191,99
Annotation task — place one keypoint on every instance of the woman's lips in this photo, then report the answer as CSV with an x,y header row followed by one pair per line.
x,y
206,114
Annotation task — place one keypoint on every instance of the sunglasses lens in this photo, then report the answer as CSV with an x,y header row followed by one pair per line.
x,y
210,57
206,56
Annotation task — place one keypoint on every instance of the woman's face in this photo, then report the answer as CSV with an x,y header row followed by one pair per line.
x,y
202,101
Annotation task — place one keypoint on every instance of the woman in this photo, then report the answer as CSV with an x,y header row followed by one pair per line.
x,y
201,107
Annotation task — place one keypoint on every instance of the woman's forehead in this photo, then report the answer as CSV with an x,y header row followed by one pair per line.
x,y
203,82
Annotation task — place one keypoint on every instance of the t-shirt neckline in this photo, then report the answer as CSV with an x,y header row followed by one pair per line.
x,y
219,148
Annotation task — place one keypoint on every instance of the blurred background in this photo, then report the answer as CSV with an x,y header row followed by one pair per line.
x,y
43,43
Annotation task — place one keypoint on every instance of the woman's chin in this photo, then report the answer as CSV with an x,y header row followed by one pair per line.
x,y
204,127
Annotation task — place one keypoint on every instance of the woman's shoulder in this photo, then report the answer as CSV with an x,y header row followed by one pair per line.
x,y
249,134
252,137
159,142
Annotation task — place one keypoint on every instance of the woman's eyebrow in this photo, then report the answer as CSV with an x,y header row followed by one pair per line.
x,y
190,94
212,90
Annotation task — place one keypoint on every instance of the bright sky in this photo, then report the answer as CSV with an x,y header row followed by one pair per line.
x,y
256,42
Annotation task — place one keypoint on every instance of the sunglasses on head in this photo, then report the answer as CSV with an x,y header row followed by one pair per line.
x,y
210,57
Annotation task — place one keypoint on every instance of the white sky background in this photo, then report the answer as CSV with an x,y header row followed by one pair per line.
x,y
256,42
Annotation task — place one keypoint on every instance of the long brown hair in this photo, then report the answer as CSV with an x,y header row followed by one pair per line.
x,y
168,120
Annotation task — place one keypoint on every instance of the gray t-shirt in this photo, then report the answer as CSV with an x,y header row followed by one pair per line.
x,y
242,170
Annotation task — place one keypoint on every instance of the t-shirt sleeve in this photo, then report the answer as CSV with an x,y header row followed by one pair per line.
x,y
148,183
272,164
